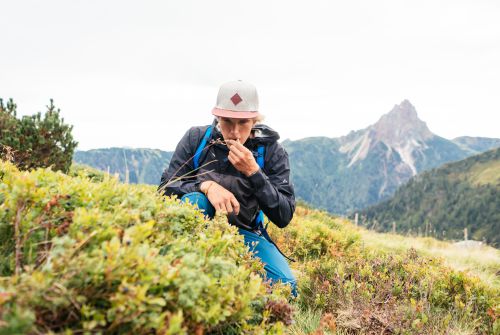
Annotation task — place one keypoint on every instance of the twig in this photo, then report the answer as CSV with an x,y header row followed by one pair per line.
x,y
212,142
196,175
82,243
47,239
17,238
171,180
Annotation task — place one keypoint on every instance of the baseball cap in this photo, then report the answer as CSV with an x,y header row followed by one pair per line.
x,y
237,99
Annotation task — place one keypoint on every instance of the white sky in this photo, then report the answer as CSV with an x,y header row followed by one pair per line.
x,y
140,73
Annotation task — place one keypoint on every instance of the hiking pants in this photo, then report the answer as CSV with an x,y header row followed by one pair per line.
x,y
275,264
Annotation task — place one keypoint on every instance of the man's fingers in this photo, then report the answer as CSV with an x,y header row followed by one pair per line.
x,y
231,143
236,145
236,205
222,208
232,157
217,207
237,151
223,202
228,206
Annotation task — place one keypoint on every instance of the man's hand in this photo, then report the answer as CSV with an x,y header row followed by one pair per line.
x,y
242,158
220,198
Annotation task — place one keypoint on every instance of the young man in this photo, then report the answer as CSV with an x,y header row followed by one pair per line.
x,y
236,166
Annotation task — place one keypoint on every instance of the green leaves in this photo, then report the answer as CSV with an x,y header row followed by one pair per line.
x,y
36,141
371,290
124,261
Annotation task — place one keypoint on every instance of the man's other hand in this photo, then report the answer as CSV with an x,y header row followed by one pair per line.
x,y
222,200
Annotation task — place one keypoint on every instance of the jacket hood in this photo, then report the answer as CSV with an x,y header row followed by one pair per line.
x,y
262,133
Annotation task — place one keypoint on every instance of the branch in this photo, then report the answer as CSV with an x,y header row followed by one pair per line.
x,y
17,238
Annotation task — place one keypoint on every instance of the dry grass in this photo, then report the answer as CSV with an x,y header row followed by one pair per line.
x,y
483,261
486,173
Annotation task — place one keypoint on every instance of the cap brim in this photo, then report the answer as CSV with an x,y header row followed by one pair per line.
x,y
232,114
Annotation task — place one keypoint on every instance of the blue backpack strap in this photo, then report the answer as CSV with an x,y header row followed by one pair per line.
x,y
203,143
260,155
261,149
260,226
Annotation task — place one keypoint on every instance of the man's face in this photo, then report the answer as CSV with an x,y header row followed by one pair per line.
x,y
236,129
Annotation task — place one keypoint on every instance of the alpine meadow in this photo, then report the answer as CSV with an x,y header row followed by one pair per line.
x,y
84,253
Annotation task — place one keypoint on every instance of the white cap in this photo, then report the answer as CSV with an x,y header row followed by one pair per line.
x,y
237,99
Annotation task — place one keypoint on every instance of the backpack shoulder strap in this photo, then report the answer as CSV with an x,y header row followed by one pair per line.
x,y
203,143
261,150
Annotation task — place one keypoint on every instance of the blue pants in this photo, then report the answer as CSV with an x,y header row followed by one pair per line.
x,y
275,264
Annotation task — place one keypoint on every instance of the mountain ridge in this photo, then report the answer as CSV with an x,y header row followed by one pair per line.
x,y
368,165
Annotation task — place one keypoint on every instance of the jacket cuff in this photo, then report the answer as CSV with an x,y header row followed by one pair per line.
x,y
258,179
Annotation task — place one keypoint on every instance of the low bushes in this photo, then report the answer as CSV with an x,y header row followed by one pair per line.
x,y
365,290
78,255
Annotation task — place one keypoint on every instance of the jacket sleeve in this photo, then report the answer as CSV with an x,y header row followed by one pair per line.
x,y
179,178
273,188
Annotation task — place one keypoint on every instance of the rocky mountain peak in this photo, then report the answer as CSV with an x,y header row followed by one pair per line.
x,y
400,130
401,125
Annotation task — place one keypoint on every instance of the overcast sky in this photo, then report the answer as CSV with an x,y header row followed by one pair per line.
x,y
140,73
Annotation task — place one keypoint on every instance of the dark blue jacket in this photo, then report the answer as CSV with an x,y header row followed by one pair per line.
x,y
269,189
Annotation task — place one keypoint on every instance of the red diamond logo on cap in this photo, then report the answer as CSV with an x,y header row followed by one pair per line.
x,y
236,99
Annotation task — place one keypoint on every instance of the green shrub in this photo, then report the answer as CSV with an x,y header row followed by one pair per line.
x,y
85,256
369,290
35,141
85,171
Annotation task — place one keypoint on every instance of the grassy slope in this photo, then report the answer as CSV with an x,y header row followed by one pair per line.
x,y
485,173
482,261
317,239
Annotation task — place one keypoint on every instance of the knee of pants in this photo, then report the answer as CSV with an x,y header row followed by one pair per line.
x,y
276,266
199,199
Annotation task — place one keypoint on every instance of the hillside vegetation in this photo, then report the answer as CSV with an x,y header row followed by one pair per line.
x,y
37,140
135,166
444,201
477,144
356,281
84,253
482,261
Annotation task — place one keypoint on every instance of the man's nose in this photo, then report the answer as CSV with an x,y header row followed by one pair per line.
x,y
235,131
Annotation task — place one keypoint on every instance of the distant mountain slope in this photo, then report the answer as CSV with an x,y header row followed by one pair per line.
x,y
444,201
478,144
367,166
145,166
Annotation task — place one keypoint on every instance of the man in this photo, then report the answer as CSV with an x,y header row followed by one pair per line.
x,y
237,167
